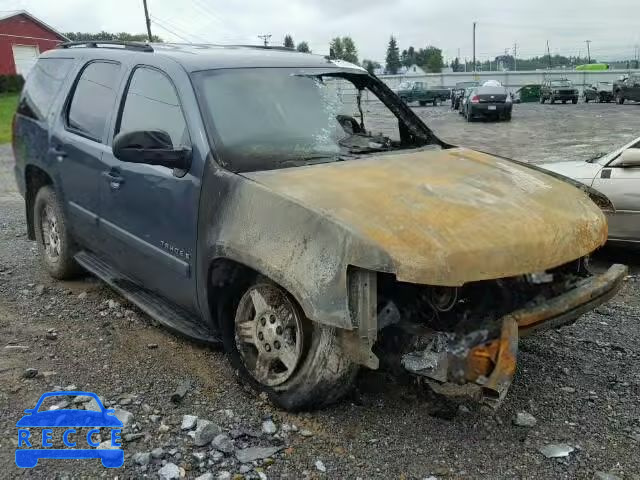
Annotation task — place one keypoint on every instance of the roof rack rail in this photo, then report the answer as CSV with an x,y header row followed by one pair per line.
x,y
265,47
143,47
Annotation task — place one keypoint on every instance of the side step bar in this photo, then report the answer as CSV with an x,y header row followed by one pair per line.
x,y
163,311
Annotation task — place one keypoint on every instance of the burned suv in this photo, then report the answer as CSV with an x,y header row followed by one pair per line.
x,y
238,196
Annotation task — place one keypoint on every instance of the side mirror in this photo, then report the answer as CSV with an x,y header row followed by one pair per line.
x,y
153,147
629,158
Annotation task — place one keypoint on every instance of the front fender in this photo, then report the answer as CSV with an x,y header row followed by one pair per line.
x,y
301,250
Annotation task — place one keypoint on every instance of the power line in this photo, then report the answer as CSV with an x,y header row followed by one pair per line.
x,y
265,37
155,22
179,29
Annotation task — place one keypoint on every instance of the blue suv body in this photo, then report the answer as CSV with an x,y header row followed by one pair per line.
x,y
240,194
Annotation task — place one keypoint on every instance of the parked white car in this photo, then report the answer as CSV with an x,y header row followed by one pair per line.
x,y
617,175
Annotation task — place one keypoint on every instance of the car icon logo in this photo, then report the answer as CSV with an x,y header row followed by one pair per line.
x,y
68,419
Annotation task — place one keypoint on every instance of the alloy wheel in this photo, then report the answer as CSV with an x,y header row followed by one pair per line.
x,y
269,334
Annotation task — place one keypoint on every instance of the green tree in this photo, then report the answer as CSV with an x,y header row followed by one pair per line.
x,y
343,48
336,49
393,57
371,66
107,36
408,57
303,47
288,42
350,53
432,60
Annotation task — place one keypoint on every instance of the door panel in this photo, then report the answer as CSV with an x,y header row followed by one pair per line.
x,y
149,215
77,146
623,189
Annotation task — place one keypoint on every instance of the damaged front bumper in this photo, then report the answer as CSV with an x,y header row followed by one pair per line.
x,y
480,365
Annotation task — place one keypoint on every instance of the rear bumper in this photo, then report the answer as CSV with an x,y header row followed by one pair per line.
x,y
488,108
481,364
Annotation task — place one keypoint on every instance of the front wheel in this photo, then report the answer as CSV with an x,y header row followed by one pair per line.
x,y
298,363
55,244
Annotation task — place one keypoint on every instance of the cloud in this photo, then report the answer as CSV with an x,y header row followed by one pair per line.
x,y
448,25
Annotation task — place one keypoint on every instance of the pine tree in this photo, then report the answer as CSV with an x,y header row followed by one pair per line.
x,y
288,42
303,47
393,57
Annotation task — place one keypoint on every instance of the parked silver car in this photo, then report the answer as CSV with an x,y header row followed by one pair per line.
x,y
617,175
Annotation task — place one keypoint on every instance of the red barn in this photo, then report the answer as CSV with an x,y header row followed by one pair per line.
x,y
22,38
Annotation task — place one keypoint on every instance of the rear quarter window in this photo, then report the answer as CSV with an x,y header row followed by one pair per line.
x,y
93,99
42,87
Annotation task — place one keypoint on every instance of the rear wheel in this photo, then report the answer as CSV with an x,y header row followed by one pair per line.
x,y
574,100
619,99
55,244
298,363
422,103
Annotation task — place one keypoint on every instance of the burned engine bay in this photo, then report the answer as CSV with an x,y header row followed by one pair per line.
x,y
463,341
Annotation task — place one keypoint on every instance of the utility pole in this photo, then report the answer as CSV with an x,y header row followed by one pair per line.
x,y
588,42
474,46
266,37
515,56
549,54
148,20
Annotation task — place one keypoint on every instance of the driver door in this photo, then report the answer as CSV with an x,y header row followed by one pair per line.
x,y
149,212
622,185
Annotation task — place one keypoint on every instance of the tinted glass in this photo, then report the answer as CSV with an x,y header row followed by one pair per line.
x,y
93,99
43,85
152,104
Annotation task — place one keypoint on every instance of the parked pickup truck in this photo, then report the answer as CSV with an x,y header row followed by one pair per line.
x,y
627,89
421,93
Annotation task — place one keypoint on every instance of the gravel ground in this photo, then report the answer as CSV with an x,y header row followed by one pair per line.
x,y
581,383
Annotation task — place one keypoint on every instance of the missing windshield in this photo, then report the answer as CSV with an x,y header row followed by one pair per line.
x,y
264,119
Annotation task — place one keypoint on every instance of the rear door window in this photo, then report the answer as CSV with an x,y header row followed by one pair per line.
x,y
93,99
152,103
42,86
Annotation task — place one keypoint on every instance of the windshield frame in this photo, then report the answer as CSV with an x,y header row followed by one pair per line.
x,y
361,79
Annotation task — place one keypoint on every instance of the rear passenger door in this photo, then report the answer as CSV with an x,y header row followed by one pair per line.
x,y
78,143
149,213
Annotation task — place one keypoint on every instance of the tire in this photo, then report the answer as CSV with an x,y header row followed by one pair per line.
x,y
56,255
552,100
435,102
586,100
564,102
541,99
574,101
422,103
619,99
468,114
323,371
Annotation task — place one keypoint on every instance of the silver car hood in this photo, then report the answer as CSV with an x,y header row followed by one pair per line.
x,y
579,170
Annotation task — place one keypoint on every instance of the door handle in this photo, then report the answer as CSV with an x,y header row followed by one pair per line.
x,y
58,152
114,179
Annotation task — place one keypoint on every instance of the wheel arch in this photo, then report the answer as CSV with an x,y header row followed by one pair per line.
x,y
35,178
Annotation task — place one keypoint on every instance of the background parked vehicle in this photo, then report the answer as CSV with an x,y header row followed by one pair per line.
x,y
617,175
459,92
627,89
421,93
527,94
488,102
559,90
598,92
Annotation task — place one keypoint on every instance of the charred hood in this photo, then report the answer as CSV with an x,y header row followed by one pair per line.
x,y
447,217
